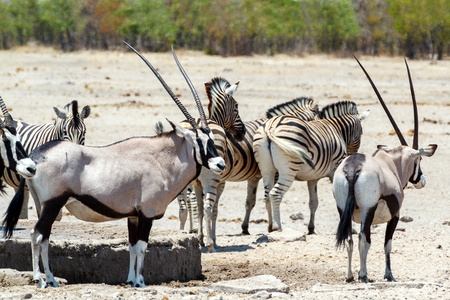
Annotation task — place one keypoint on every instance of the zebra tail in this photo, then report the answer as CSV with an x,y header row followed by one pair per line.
x,y
344,230
13,212
292,149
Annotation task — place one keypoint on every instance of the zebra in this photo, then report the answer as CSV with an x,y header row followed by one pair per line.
x,y
305,151
68,126
240,166
12,153
223,118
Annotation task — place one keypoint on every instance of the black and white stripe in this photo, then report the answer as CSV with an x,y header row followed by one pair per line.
x,y
305,151
68,126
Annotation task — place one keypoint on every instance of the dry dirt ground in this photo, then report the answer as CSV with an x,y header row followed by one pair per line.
x,y
126,100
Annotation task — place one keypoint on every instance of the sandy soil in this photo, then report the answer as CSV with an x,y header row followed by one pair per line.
x,y
126,100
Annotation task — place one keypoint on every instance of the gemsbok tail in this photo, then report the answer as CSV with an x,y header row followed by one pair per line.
x,y
344,230
13,212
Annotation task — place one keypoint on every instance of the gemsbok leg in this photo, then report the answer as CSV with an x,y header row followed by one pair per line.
x,y
138,234
40,238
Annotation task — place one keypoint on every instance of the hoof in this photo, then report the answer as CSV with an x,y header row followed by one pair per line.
x,y
351,279
364,279
390,278
310,232
245,232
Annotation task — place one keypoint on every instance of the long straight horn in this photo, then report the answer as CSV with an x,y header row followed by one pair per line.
x,y
6,115
416,117
167,88
194,92
397,130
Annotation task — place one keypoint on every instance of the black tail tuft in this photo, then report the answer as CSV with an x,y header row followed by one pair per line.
x,y
344,230
13,212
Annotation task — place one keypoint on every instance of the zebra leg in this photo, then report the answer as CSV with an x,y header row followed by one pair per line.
x,y
276,195
24,211
199,196
182,211
268,185
210,202
193,210
313,204
390,228
364,241
220,189
252,186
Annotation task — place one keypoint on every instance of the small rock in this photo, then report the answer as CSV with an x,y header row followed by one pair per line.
x,y
297,216
406,219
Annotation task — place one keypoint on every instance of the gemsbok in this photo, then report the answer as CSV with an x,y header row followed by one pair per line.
x,y
135,178
369,189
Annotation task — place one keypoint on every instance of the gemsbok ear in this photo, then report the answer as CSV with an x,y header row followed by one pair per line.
x,y
362,116
62,114
383,147
426,151
181,131
230,90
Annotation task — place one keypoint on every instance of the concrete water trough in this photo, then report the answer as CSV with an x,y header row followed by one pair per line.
x,y
98,253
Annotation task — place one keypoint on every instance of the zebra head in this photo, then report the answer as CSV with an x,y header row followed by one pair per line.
x,y
345,115
71,123
13,155
223,108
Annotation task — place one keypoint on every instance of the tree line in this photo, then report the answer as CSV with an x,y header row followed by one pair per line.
x,y
233,27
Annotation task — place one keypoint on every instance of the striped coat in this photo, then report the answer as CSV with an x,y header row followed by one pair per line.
x,y
68,126
305,151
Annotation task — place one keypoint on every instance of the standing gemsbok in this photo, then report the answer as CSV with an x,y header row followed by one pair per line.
x,y
305,151
369,189
135,178
69,126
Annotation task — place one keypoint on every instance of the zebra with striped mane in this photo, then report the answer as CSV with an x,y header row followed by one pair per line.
x,y
68,126
305,151
240,166
224,109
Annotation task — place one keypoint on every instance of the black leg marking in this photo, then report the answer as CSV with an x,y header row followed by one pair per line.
x,y
49,212
390,229
132,230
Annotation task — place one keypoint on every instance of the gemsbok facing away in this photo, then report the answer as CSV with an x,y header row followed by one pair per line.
x,y
369,189
135,178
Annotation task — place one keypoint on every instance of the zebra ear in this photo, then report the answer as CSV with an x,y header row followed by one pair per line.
x,y
62,114
85,112
362,116
231,89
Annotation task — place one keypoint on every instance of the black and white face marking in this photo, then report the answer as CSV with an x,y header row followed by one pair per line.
x,y
13,154
417,178
206,151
